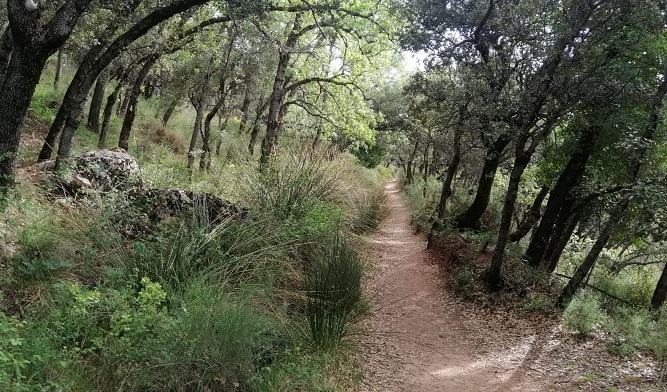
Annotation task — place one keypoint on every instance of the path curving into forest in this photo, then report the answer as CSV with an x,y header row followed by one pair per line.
x,y
416,339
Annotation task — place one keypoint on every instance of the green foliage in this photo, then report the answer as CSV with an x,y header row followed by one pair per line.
x,y
583,314
463,280
637,329
332,285
229,253
537,302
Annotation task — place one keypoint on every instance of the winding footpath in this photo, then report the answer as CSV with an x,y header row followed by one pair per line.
x,y
415,340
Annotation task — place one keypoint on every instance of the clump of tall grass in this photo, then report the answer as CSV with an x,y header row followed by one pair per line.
x,y
229,253
333,291
291,183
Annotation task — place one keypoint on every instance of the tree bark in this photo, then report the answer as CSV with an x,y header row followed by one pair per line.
x,y
106,117
134,93
245,108
18,87
531,218
170,110
33,43
96,60
96,102
567,181
223,127
409,170
273,122
470,218
587,265
565,226
5,51
449,177
196,130
494,278
658,298
59,70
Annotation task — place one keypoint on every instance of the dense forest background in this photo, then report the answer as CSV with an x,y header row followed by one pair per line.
x,y
187,186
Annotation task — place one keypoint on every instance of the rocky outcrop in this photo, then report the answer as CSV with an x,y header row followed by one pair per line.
x,y
115,171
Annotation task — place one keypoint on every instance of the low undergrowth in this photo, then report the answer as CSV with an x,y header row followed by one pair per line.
x,y
265,303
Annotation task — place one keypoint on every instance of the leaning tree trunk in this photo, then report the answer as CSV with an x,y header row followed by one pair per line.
x,y
170,110
452,168
564,229
96,102
658,298
521,160
531,218
449,178
589,262
568,179
131,111
223,127
205,159
470,218
106,116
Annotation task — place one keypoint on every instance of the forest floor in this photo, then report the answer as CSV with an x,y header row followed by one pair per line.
x,y
422,337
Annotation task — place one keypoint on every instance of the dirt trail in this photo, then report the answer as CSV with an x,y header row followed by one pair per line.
x,y
416,339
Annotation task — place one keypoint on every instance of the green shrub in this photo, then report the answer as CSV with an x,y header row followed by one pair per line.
x,y
463,280
296,371
583,314
537,302
333,291
216,343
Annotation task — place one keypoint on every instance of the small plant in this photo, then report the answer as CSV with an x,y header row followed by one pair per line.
x,y
536,302
583,314
333,291
463,280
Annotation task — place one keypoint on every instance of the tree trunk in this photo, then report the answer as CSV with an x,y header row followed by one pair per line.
x,y
170,110
98,58
21,78
273,121
564,227
223,127
245,108
494,278
531,218
106,117
567,181
449,178
409,170
134,93
125,103
587,265
256,128
658,298
205,159
59,70
470,218
196,130
5,51
96,102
